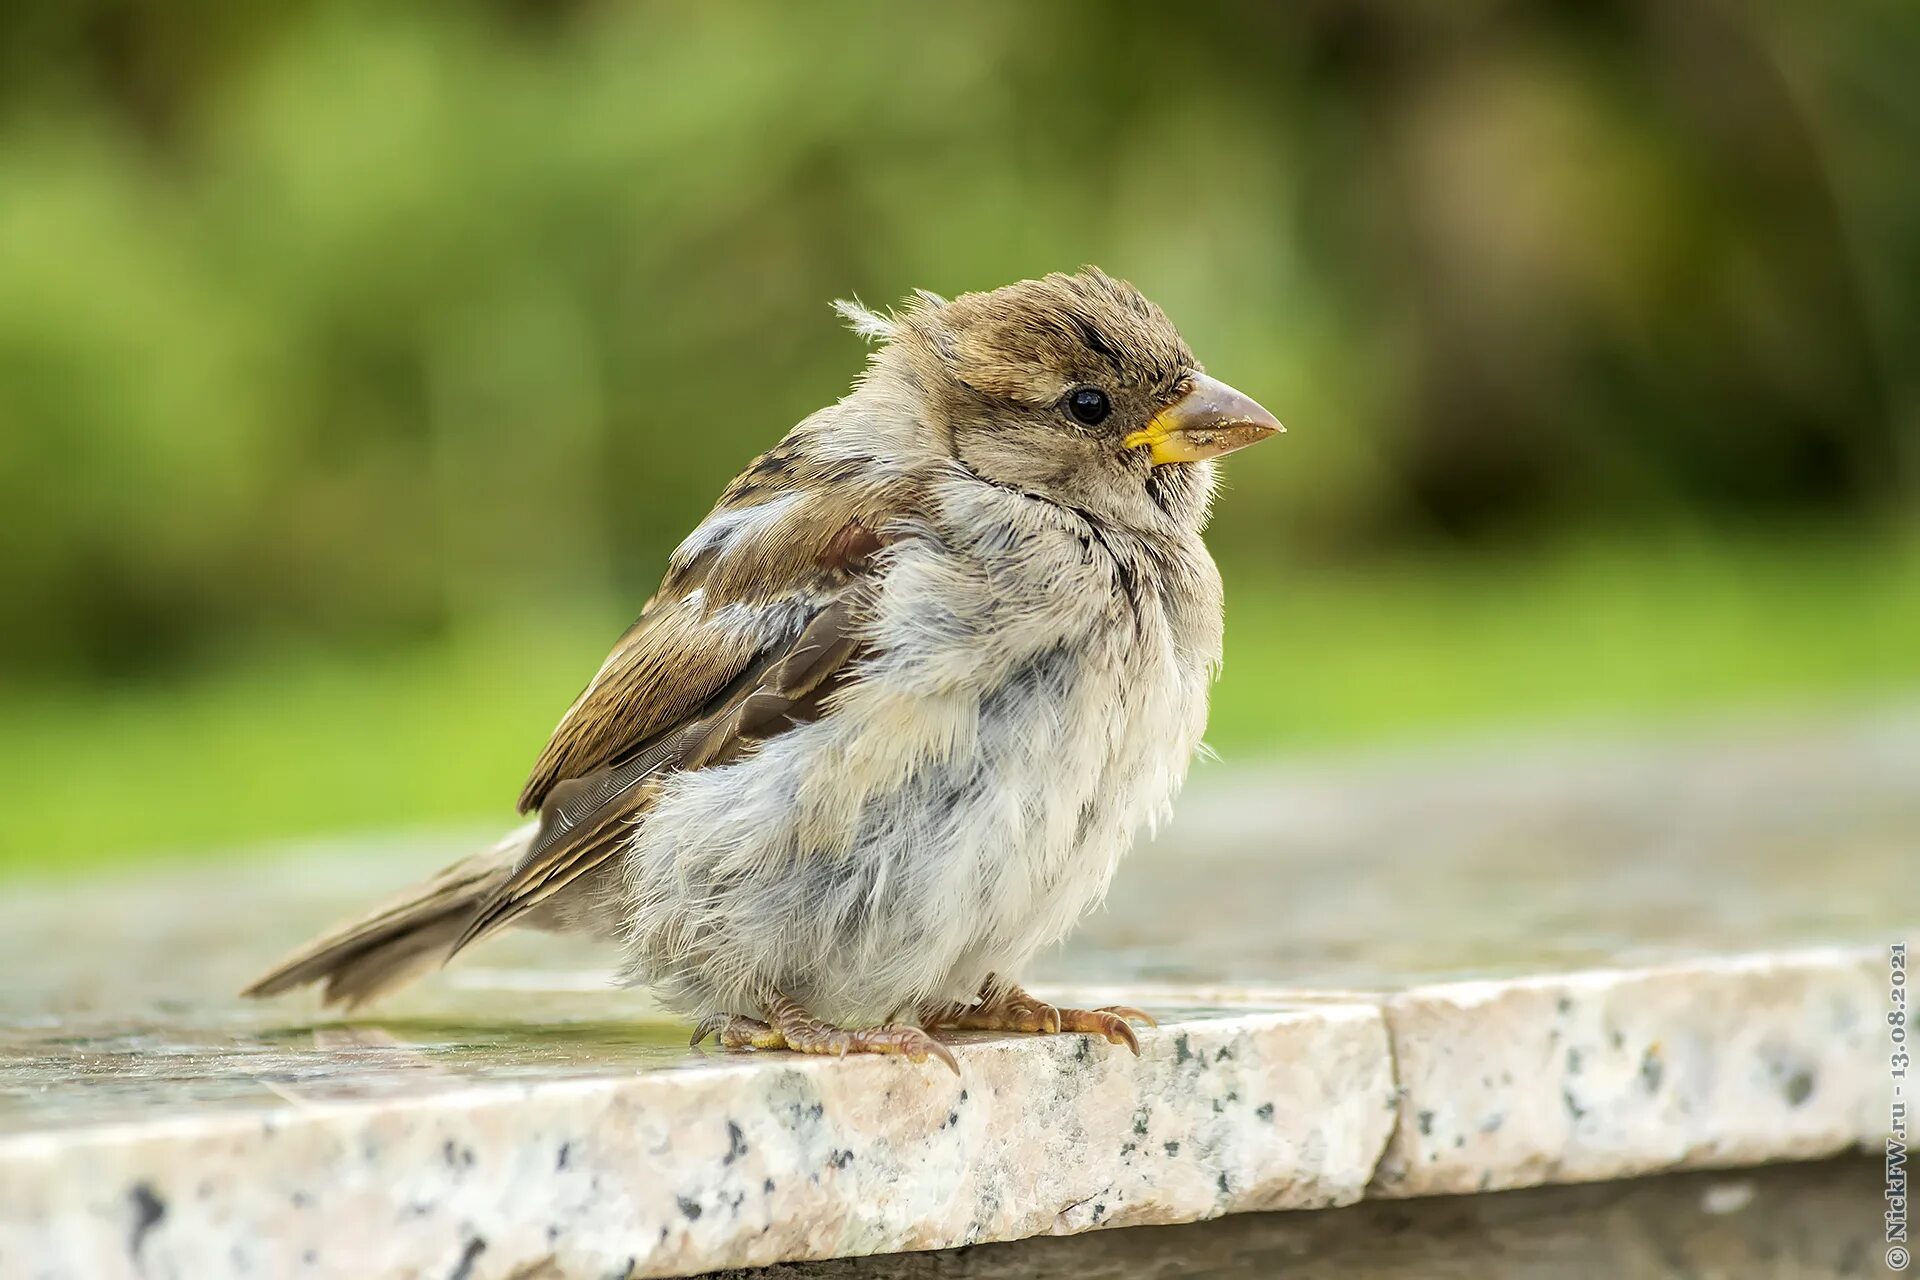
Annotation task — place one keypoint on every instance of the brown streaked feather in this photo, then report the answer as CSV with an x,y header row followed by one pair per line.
x,y
690,685
679,654
585,820
853,548
402,936
667,665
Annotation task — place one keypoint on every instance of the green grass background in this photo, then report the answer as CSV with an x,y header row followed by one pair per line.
x,y
1580,635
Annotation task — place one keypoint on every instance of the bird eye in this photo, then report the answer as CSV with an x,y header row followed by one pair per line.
x,y
1089,405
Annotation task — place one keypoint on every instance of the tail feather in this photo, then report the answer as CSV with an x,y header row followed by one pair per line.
x,y
403,938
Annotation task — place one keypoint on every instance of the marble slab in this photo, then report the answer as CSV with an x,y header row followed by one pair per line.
x,y
1611,1073
1447,971
724,1164
1786,1222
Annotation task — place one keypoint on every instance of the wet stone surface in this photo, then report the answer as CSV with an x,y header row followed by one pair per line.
x,y
1439,973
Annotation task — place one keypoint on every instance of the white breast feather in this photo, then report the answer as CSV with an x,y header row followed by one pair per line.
x,y
964,802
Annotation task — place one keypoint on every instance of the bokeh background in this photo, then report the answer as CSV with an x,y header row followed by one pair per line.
x,y
359,363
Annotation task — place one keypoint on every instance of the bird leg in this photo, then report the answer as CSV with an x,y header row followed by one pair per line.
x,y
792,1027
1005,1007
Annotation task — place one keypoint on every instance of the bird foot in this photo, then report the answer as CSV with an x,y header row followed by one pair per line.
x,y
795,1029
1013,1009
735,1031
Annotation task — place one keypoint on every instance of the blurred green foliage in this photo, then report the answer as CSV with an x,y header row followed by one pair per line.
x,y
353,320
331,327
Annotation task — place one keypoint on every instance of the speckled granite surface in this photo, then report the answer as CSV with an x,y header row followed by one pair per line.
x,y
1441,973
1785,1222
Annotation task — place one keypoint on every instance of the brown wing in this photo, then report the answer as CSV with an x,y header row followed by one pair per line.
x,y
785,536
664,669
747,637
585,819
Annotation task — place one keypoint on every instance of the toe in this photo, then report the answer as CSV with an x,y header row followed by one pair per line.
x,y
750,1033
1101,1022
1028,1014
907,1041
912,1043
1130,1013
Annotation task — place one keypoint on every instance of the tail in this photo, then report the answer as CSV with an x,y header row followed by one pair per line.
x,y
404,937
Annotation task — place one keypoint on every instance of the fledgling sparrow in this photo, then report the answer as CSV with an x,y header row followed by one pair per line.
x,y
900,704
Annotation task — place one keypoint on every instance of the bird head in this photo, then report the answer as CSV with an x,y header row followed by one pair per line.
x,y
1073,387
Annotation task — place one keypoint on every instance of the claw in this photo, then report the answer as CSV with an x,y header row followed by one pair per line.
x,y
939,1051
1105,1023
799,1031
1005,1007
708,1026
1022,1012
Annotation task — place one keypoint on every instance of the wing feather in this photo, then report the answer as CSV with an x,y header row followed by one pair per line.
x,y
750,634
667,665
584,821
728,597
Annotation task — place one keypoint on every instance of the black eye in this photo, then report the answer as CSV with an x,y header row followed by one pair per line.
x,y
1089,404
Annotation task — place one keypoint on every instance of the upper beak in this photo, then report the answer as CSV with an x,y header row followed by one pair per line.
x,y
1209,420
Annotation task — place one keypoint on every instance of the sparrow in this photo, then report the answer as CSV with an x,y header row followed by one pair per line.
x,y
902,700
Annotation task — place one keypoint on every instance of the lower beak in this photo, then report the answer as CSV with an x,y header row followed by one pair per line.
x,y
1211,419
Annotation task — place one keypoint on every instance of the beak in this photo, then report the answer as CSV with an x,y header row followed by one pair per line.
x,y
1211,419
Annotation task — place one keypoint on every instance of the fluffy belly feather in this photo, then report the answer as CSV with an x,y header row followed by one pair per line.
x,y
866,885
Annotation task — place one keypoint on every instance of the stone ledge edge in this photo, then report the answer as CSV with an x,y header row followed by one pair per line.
x,y
1449,1088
